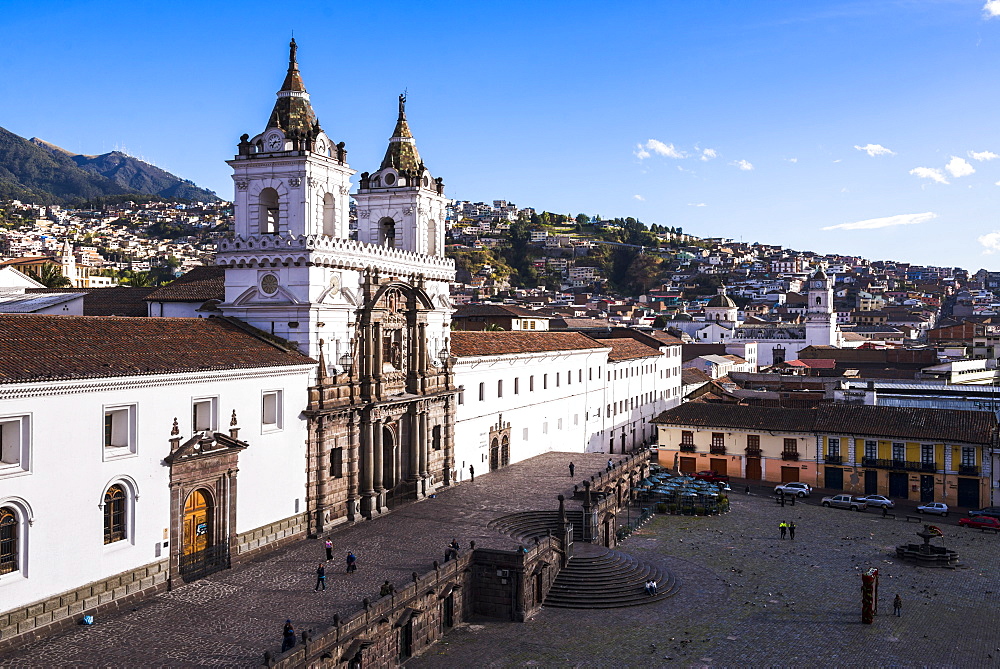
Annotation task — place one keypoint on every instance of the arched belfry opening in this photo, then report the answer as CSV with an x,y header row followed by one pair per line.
x,y
387,232
269,211
329,215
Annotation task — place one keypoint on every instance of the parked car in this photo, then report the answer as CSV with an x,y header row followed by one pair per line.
x,y
711,477
990,511
981,522
845,502
879,501
794,488
940,508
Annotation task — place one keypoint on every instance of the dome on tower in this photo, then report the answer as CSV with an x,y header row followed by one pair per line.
x,y
820,275
722,300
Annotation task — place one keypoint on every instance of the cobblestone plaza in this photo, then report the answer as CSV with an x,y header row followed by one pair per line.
x,y
746,597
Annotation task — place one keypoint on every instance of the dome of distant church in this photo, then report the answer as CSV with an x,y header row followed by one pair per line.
x,y
722,301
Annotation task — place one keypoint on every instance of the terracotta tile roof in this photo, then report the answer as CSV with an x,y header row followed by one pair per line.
x,y
628,349
468,310
974,427
904,423
207,282
464,344
34,348
739,417
111,301
663,337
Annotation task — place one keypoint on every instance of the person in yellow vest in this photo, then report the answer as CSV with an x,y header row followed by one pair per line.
x,y
783,527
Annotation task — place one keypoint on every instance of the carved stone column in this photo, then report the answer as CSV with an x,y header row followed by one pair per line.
x,y
367,489
422,422
414,444
378,426
353,459
448,437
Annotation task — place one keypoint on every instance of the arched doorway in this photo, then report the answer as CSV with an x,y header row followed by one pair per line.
x,y
197,522
505,451
388,458
494,455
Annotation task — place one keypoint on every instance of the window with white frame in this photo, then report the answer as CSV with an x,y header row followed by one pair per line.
x,y
898,451
871,449
10,540
517,385
559,424
14,445
833,446
204,414
927,454
119,430
524,434
500,388
482,392
968,456
271,412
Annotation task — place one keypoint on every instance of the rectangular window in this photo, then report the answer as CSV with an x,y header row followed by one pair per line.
x,y
687,437
927,453
871,449
531,384
559,424
482,392
119,430
524,434
517,385
436,438
590,373
14,453
833,446
898,451
753,442
204,414
791,445
576,419
545,381
500,388
718,439
271,410
557,379
545,427
461,397
337,463
968,456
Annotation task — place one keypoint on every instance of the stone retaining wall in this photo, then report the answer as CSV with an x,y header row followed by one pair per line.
x,y
25,624
270,537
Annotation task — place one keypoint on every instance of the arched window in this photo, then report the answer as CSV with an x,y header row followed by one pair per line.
x,y
329,213
8,540
432,248
269,212
819,300
387,232
114,514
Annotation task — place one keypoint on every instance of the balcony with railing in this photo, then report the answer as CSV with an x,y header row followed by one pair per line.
x,y
687,448
968,470
753,452
717,449
789,455
832,459
905,465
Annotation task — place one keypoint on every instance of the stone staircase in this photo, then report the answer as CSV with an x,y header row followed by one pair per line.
x,y
600,578
595,577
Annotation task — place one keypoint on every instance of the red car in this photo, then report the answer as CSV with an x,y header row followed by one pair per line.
x,y
712,477
980,522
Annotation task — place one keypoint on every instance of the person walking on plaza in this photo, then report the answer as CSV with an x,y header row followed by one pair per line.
x,y
329,549
472,473
791,530
783,528
386,589
572,469
352,563
897,606
610,464
320,577
748,490
287,636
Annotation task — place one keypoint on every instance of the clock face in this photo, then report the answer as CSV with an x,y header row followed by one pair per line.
x,y
274,142
269,284
321,148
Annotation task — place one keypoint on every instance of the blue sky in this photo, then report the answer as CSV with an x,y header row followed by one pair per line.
x,y
867,127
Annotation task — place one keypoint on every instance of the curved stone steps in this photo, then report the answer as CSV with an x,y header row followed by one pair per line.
x,y
527,525
599,578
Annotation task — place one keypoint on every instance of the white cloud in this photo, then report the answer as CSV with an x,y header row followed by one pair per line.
x,y
991,9
659,148
640,152
793,160
983,156
959,167
744,165
697,204
929,173
875,150
708,154
886,222
639,198
990,243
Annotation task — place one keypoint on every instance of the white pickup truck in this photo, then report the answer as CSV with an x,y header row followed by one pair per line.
x,y
845,502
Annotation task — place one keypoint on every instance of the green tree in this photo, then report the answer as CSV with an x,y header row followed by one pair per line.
x,y
493,327
582,219
50,275
138,280
644,271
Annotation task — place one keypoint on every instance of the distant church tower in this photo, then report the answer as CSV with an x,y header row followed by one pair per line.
x,y
821,322
401,205
722,309
375,313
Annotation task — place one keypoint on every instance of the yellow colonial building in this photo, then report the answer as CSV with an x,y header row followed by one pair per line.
x,y
901,452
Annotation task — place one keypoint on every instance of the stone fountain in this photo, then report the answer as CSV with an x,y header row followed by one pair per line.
x,y
926,555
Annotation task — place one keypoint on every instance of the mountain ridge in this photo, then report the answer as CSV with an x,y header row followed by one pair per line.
x,y
34,170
